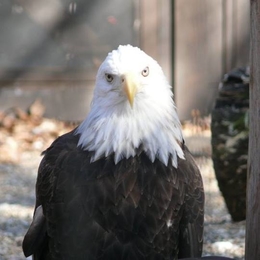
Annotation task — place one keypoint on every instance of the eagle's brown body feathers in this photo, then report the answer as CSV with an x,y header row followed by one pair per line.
x,y
135,209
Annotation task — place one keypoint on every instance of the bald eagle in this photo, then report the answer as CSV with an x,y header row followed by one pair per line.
x,y
122,185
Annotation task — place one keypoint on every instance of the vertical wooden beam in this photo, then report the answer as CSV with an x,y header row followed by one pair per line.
x,y
197,54
253,179
228,35
149,27
165,40
242,33
155,31
235,34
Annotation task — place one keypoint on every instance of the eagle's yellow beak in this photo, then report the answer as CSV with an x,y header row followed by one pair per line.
x,y
130,87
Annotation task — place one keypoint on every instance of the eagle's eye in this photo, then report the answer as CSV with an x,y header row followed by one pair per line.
x,y
145,71
109,77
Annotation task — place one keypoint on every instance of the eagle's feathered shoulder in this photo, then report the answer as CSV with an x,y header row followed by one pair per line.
x,y
36,240
56,157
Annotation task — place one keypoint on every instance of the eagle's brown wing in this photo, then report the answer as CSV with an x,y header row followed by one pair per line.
x,y
191,228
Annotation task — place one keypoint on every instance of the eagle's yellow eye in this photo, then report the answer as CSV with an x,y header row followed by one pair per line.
x,y
109,77
145,71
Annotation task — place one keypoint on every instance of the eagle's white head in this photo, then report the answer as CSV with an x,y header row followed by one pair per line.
x,y
132,107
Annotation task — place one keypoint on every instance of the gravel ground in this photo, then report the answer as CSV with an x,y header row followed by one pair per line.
x,y
17,181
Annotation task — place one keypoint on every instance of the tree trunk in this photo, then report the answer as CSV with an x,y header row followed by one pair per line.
x,y
253,178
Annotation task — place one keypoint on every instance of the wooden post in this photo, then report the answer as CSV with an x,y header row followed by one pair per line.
x,y
253,178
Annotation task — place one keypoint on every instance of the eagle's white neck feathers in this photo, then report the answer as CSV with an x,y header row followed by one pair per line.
x,y
114,127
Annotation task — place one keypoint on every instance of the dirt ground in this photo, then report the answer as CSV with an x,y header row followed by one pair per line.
x,y
19,159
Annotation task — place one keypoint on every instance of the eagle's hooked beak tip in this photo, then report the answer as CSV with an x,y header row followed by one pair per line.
x,y
130,88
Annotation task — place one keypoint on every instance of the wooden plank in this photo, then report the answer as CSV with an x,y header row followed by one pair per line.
x,y
235,34
198,54
165,37
155,31
68,35
63,100
149,27
228,35
211,38
253,178
242,26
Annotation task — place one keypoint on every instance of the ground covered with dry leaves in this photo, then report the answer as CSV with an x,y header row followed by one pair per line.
x,y
24,134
